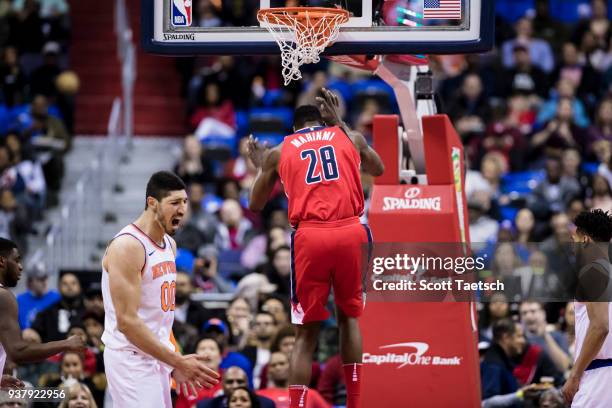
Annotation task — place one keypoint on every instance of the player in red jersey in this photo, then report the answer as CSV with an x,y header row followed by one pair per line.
x,y
320,168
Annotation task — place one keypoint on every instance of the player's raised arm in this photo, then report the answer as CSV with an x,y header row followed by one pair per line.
x,y
124,261
370,161
19,350
266,160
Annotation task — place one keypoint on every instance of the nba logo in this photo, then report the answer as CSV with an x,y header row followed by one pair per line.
x,y
181,13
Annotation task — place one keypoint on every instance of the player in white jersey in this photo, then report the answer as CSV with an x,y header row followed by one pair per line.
x,y
12,345
138,288
590,379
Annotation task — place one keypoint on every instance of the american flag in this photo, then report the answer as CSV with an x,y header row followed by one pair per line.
x,y
442,9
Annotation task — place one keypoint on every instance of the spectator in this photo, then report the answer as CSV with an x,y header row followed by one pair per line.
x,y
93,301
242,398
539,50
495,309
259,352
13,79
469,109
279,390
193,166
216,329
255,252
504,265
552,341
38,297
206,273
560,133
551,398
78,396
234,231
240,168
584,78
601,194
71,373
525,224
537,281
239,316
602,128
533,364
279,270
233,378
496,367
557,250
211,352
571,161
187,311
207,14
507,143
569,328
483,228
278,307
200,225
594,35
214,116
53,323
550,109
553,193
524,78
42,80
94,327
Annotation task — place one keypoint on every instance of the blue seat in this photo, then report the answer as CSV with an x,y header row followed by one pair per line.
x,y
220,147
513,10
184,260
242,123
373,89
284,116
229,265
272,139
341,87
590,168
4,120
521,182
272,97
508,212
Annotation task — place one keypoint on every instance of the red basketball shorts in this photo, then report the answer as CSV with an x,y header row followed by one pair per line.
x,y
327,255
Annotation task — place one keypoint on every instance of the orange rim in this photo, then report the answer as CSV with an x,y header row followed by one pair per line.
x,y
287,15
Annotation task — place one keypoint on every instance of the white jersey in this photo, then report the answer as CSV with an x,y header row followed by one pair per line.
x,y
157,295
582,323
2,353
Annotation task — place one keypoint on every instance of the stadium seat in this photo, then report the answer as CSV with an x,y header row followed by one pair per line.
x,y
270,119
184,260
242,123
229,264
521,182
342,87
373,89
220,147
590,168
508,212
4,119
272,139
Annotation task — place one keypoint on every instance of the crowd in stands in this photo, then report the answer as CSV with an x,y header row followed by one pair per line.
x,y
535,115
36,111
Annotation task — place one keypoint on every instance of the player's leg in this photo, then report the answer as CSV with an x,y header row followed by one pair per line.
x,y
348,293
310,286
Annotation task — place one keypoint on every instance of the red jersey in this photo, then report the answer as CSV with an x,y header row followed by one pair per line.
x,y
319,168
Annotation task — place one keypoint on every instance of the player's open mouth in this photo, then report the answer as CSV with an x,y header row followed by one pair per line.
x,y
176,222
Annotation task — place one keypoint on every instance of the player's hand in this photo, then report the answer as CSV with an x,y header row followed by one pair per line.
x,y
74,343
329,105
570,388
255,151
191,369
8,381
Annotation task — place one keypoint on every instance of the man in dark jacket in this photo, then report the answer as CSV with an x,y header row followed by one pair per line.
x,y
496,367
53,323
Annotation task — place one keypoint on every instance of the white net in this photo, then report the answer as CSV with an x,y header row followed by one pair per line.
x,y
302,35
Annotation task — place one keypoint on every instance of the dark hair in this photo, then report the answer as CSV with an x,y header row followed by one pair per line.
x,y
212,338
596,224
6,246
305,114
283,333
254,400
503,327
161,184
265,313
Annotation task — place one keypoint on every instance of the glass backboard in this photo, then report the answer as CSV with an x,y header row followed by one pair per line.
x,y
230,27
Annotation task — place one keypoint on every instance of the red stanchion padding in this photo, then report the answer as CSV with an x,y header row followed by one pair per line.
x,y
386,143
420,354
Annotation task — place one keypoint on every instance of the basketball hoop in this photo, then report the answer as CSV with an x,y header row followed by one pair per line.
x,y
302,33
